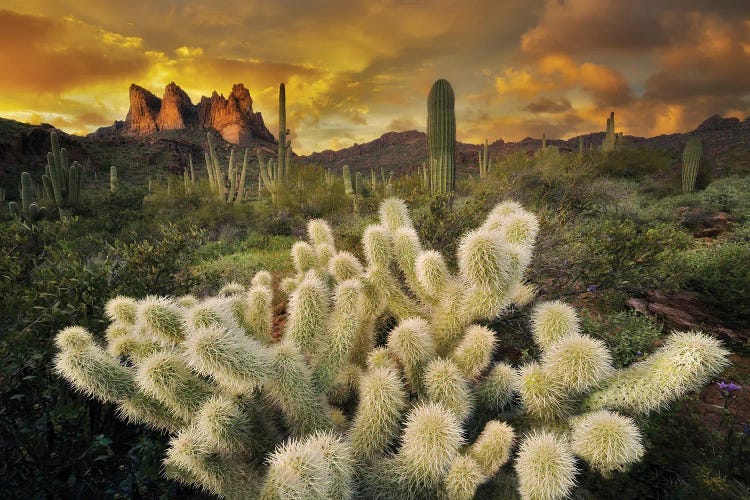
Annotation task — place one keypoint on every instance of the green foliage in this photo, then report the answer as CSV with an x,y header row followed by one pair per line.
x,y
155,266
623,254
628,335
55,444
721,273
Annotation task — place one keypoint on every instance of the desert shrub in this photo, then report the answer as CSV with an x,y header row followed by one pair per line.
x,y
721,273
253,254
625,254
52,444
633,162
157,266
723,195
629,336
441,220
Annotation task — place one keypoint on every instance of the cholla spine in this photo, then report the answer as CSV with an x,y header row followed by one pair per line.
x,y
209,370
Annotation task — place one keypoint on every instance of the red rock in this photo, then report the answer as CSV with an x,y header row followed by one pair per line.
x,y
232,117
144,108
176,109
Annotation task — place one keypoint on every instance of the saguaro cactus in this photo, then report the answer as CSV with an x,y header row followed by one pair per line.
x,y
271,175
229,185
484,160
362,420
691,159
611,139
29,212
113,181
62,182
441,135
347,176
285,145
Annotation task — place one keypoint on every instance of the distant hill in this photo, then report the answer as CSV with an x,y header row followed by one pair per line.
x,y
407,150
25,147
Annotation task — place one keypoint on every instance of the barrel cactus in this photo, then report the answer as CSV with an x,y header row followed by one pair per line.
x,y
441,135
383,381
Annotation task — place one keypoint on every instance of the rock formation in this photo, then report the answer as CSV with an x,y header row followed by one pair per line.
x,y
232,117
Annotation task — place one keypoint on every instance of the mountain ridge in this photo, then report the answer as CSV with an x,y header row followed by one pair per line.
x,y
232,117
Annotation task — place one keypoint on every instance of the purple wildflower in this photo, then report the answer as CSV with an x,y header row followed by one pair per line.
x,y
591,288
728,386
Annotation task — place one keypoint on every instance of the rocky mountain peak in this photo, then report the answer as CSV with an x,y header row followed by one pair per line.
x,y
232,117
176,109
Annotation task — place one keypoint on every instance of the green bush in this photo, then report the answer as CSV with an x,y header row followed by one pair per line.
x,y
157,266
722,274
624,254
629,336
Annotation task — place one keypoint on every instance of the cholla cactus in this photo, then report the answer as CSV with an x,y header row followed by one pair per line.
x,y
315,407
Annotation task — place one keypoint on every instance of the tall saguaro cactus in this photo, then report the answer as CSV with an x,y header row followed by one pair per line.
x,y
284,144
29,211
691,159
441,135
62,182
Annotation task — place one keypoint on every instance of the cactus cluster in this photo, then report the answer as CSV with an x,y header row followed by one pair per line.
x,y
29,212
62,182
691,159
228,185
382,381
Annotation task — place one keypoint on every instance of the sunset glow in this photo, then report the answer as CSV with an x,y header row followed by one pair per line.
x,y
357,69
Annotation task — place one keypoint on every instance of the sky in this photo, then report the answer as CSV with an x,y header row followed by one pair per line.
x,y
356,69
